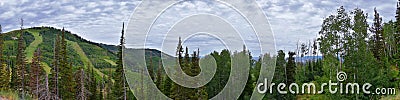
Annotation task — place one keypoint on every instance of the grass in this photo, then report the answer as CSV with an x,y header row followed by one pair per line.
x,y
11,95
107,70
87,63
30,50
46,68
33,46
111,62
8,95
38,40
392,97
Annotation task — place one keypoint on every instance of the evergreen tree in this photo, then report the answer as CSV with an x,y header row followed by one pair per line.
x,y
66,72
45,92
179,92
81,79
176,89
109,84
150,67
290,68
120,89
279,74
248,89
18,77
190,66
103,85
397,35
4,77
377,37
290,71
93,86
55,70
304,50
4,71
167,87
159,75
36,73
200,93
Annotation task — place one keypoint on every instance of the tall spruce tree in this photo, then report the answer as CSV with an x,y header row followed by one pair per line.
x,y
18,77
93,85
66,72
55,71
199,93
108,87
4,77
179,92
81,79
120,88
290,68
45,92
159,75
36,74
4,70
377,37
279,74
397,35
150,67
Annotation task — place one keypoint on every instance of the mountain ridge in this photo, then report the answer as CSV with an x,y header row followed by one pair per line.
x,y
82,52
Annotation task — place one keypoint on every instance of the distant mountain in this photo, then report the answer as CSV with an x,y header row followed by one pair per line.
x,y
81,52
307,58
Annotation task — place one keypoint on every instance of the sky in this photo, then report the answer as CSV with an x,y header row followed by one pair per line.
x,y
100,21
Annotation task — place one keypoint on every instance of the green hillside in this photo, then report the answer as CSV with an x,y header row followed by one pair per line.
x,y
80,51
84,53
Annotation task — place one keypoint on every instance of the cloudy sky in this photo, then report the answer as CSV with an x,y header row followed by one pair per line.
x,y
101,21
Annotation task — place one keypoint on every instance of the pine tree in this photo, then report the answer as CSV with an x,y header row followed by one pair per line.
x,y
159,75
303,50
1,47
397,35
200,93
248,89
179,50
18,77
179,92
36,73
4,77
4,71
120,89
81,79
55,71
359,58
108,86
377,37
150,67
279,74
102,86
45,92
93,85
290,68
66,72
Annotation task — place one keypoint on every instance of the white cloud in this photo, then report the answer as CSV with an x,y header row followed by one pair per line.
x,y
7,15
100,21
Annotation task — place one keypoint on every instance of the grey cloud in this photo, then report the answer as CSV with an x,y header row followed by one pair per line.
x,y
100,21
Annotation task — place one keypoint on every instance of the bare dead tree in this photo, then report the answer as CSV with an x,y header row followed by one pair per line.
x,y
82,90
44,91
